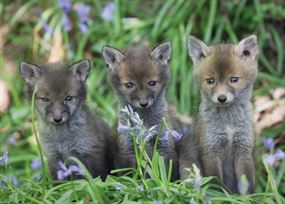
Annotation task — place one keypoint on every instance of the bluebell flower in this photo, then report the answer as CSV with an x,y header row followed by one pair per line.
x,y
195,178
6,180
61,175
177,136
151,133
65,5
64,172
83,12
66,23
270,159
135,124
207,199
137,131
185,130
134,116
119,186
36,163
108,11
12,140
83,27
198,180
47,29
243,185
268,143
75,170
279,155
68,171
46,26
173,133
192,201
14,180
4,159
140,187
157,202
123,128
154,129
165,137
129,110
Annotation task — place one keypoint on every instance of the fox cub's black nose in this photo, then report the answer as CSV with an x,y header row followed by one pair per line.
x,y
222,98
57,120
143,105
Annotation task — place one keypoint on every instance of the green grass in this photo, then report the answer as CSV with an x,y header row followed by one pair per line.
x,y
135,23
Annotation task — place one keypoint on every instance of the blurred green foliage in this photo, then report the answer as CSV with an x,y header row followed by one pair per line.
x,y
38,34
147,23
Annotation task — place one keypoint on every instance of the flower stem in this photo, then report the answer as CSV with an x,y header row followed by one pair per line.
x,y
37,138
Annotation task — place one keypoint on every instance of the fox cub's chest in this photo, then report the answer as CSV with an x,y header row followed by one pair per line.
x,y
79,143
222,136
225,129
67,142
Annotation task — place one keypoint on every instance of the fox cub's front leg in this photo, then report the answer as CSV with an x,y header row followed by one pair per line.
x,y
212,164
244,164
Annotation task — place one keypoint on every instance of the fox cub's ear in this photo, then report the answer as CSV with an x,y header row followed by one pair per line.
x,y
162,53
247,49
197,49
80,69
30,72
112,56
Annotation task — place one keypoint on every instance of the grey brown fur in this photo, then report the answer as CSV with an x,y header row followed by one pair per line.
x,y
140,66
188,153
67,127
224,132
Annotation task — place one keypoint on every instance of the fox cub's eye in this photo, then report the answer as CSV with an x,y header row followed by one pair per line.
x,y
234,79
129,85
68,98
210,80
152,83
44,99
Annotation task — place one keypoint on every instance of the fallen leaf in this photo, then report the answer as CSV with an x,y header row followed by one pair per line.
x,y
278,93
272,116
57,49
4,96
260,100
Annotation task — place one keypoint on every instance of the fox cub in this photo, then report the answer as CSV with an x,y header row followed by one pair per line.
x,y
66,125
139,77
226,74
